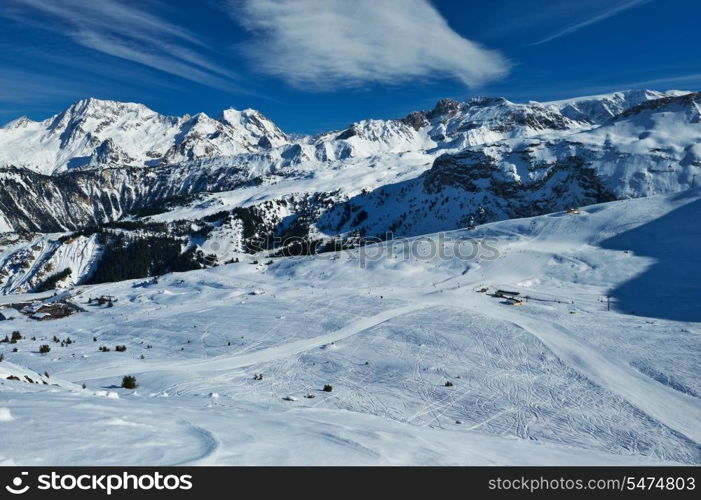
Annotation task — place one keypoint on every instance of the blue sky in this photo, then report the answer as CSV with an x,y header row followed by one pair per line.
x,y
313,65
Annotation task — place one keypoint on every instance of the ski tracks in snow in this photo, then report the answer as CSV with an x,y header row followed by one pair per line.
x,y
230,362
677,411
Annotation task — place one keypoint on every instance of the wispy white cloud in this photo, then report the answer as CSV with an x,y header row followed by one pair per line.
x,y
123,49
125,31
326,44
610,12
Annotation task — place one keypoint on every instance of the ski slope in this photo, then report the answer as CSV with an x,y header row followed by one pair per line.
x,y
558,380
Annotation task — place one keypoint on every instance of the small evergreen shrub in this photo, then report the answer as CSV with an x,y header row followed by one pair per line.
x,y
44,349
129,382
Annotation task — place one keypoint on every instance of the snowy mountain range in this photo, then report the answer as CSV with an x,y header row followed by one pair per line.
x,y
238,178
95,133
481,283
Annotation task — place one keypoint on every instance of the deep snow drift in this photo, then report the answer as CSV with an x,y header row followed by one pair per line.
x,y
556,380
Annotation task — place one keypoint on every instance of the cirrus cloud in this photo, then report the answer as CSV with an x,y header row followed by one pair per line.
x,y
126,31
326,44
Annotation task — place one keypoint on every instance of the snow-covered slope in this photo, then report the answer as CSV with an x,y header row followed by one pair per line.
x,y
26,262
557,380
97,133
601,108
238,178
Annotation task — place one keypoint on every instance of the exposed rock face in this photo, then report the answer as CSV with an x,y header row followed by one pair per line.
x,y
458,164
37,202
100,160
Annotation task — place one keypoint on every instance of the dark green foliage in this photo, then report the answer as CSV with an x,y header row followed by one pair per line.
x,y
6,339
133,225
129,382
216,217
15,336
130,258
251,219
327,388
2,356
120,348
50,282
163,205
44,349
104,348
448,384
359,218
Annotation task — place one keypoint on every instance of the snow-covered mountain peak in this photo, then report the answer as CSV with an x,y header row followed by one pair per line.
x,y
444,108
254,126
21,122
130,134
140,137
85,110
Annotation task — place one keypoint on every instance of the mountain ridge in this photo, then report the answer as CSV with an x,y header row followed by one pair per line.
x,y
238,184
141,136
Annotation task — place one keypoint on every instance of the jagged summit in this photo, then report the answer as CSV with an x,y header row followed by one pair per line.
x,y
75,137
94,133
20,122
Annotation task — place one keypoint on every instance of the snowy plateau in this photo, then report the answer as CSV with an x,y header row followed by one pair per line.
x,y
482,283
